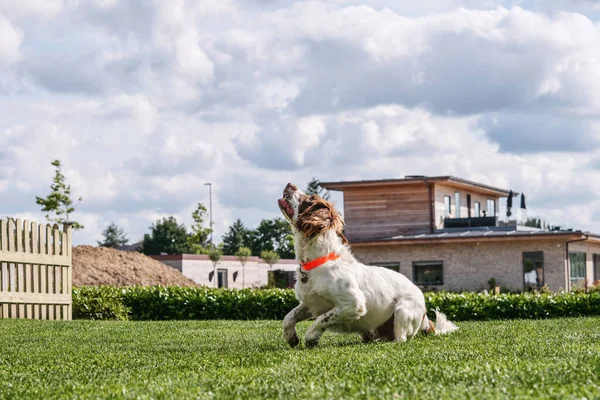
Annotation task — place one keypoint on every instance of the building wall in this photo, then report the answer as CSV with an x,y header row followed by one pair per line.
x,y
199,269
380,212
469,266
441,190
590,249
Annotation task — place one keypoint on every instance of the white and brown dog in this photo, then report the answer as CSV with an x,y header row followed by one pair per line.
x,y
343,294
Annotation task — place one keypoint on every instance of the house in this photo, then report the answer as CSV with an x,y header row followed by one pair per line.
x,y
445,232
230,272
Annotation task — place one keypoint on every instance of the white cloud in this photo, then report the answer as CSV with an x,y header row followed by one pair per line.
x,y
144,102
10,41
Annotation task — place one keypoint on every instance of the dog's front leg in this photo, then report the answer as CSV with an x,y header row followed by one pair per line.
x,y
300,313
332,317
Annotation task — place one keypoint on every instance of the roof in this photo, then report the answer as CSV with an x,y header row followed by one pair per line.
x,y
477,235
412,179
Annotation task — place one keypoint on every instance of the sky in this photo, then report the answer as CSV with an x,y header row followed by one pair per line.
x,y
144,102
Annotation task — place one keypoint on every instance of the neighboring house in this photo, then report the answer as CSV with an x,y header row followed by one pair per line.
x,y
445,232
230,273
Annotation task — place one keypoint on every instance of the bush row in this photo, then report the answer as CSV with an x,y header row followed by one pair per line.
x,y
201,303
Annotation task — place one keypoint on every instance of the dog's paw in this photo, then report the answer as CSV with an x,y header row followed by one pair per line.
x,y
293,340
311,343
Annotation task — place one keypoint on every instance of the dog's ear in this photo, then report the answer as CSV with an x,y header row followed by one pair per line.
x,y
316,216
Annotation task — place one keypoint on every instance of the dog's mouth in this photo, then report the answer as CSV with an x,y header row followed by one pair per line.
x,y
286,207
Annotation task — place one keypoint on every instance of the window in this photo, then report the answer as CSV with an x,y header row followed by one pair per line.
x,y
428,273
468,206
447,205
596,267
533,269
491,208
477,209
457,204
394,266
222,278
577,262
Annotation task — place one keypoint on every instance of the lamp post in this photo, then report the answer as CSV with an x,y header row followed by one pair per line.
x,y
210,211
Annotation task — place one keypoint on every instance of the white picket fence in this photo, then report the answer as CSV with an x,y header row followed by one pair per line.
x,y
35,270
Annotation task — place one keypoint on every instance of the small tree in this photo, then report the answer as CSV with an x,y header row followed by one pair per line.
x,y
215,254
58,204
198,239
113,237
236,237
166,237
242,255
314,187
270,257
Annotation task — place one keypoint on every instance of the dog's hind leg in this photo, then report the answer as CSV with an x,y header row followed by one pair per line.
x,y
406,323
298,314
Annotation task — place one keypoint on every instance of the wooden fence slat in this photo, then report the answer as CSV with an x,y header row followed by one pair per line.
x,y
20,267
28,267
12,276
3,266
68,230
64,274
35,249
43,230
56,270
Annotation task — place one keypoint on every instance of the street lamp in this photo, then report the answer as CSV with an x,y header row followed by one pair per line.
x,y
210,211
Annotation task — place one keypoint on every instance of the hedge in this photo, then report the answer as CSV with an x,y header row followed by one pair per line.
x,y
202,303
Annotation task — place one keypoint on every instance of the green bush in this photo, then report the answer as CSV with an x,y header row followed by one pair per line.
x,y
203,303
99,303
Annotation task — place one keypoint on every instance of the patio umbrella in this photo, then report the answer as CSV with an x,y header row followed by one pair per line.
x,y
509,203
523,202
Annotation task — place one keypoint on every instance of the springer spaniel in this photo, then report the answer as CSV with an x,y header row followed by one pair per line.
x,y
344,295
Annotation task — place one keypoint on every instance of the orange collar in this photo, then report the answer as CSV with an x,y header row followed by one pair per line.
x,y
320,261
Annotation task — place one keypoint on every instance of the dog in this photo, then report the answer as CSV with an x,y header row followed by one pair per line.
x,y
342,294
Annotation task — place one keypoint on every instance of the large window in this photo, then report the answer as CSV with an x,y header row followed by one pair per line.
x,y
428,272
394,266
447,205
533,269
457,204
577,263
491,208
596,267
477,209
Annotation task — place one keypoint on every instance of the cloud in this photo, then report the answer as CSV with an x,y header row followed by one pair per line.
x,y
145,102
10,43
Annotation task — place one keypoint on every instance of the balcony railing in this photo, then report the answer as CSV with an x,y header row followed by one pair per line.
x,y
474,222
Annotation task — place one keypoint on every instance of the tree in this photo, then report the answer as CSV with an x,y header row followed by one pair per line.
x,y
166,237
242,254
314,187
58,204
113,237
198,239
272,234
215,254
237,237
270,257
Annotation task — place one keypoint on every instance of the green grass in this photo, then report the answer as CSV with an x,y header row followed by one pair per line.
x,y
558,358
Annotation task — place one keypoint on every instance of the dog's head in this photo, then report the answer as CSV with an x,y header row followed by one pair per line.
x,y
311,215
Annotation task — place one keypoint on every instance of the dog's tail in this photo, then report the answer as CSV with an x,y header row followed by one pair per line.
x,y
442,324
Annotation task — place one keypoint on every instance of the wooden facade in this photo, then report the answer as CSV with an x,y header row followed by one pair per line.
x,y
372,212
405,207
35,271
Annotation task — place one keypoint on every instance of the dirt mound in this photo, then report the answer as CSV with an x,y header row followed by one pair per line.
x,y
105,266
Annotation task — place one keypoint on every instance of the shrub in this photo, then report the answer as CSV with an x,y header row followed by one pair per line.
x,y
99,303
202,303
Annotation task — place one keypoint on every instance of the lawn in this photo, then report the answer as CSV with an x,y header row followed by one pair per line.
x,y
558,358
